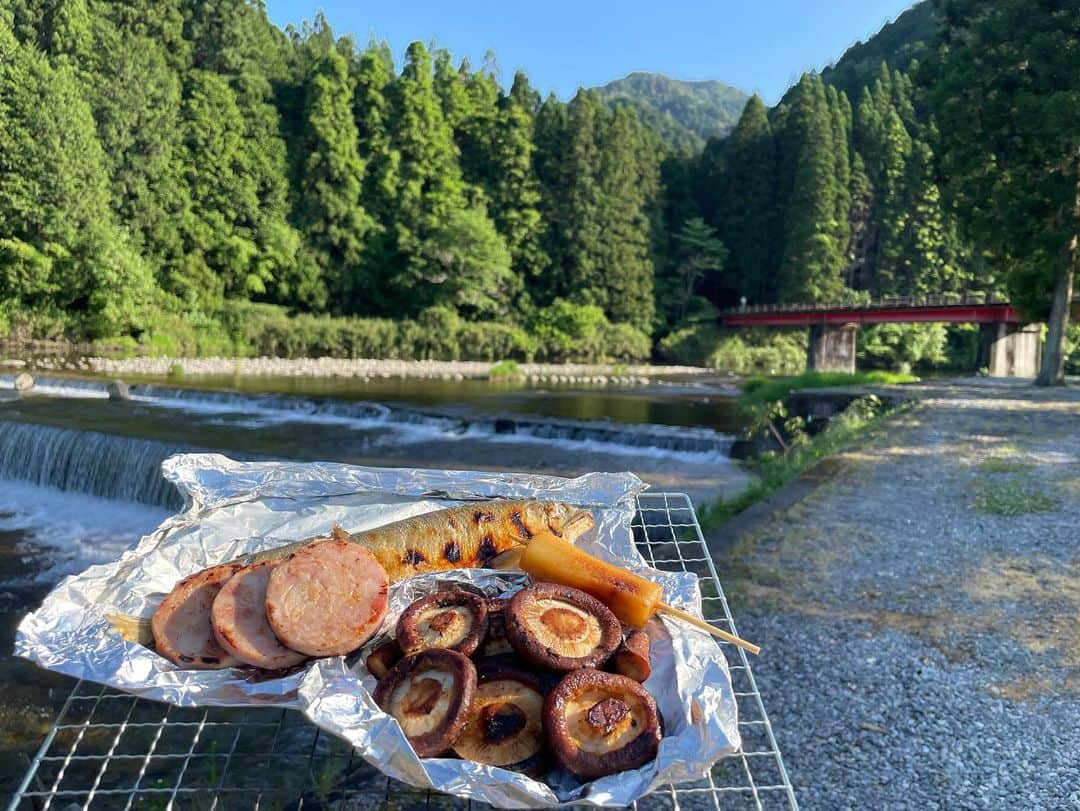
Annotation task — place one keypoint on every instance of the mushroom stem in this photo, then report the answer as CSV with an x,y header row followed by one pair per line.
x,y
664,608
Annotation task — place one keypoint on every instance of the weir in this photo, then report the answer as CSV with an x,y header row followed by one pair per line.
x,y
617,435
104,465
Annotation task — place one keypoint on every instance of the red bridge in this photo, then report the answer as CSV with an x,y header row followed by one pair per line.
x,y
1007,347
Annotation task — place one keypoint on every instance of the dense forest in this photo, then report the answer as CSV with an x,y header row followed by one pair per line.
x,y
185,177
684,114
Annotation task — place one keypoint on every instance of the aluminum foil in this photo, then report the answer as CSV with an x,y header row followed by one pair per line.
x,y
234,508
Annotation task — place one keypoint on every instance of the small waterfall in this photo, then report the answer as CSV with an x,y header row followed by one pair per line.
x,y
113,467
632,435
618,437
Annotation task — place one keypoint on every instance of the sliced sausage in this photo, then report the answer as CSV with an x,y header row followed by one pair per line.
x,y
327,599
239,620
181,625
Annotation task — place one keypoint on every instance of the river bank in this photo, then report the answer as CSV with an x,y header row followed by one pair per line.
x,y
917,602
360,368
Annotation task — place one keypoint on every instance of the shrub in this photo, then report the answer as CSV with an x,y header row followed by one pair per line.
x,y
437,338
690,345
902,346
761,351
624,342
505,370
746,351
492,341
565,330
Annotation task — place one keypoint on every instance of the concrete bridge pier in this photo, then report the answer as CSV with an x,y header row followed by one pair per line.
x,y
831,348
1010,350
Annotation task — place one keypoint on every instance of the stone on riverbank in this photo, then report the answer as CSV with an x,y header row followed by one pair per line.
x,y
24,381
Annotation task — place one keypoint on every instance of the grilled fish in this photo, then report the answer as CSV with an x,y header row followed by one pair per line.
x,y
462,537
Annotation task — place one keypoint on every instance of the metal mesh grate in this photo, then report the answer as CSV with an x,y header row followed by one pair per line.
x,y
112,750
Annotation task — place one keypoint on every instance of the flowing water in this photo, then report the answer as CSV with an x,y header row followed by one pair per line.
x,y
80,480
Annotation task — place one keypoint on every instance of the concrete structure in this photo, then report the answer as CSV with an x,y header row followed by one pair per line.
x,y
1010,350
1007,348
831,348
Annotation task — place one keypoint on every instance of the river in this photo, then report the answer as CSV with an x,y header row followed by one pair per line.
x,y
80,481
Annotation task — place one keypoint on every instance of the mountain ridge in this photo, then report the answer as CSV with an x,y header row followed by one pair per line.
x,y
685,113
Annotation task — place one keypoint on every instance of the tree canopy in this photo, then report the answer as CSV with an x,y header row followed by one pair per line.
x,y
181,159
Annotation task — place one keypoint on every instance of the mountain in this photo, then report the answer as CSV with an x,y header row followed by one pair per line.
x,y
685,114
906,39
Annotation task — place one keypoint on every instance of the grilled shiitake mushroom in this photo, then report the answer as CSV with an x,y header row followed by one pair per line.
x,y
384,657
600,723
632,657
430,694
505,727
561,628
451,618
496,643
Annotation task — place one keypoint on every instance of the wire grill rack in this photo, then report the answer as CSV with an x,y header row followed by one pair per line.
x,y
111,750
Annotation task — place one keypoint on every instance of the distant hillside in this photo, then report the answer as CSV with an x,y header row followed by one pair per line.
x,y
907,38
685,114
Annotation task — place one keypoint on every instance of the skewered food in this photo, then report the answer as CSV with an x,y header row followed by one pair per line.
x,y
599,723
383,658
632,598
238,617
631,659
181,625
505,727
430,694
496,643
451,618
561,628
457,538
327,599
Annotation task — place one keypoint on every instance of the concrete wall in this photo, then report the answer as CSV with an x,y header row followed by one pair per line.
x,y
831,348
1010,350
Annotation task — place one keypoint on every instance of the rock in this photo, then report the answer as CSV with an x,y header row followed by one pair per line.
x,y
504,425
118,390
24,381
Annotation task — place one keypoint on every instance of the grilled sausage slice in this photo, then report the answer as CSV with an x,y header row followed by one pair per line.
x,y
181,625
239,620
327,599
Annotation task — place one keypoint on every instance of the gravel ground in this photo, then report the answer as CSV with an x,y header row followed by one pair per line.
x,y
920,652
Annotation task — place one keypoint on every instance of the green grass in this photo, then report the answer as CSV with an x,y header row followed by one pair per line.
x,y
774,472
767,390
1011,498
1005,464
505,370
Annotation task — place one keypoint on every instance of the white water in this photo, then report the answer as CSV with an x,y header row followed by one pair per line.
x,y
402,424
68,531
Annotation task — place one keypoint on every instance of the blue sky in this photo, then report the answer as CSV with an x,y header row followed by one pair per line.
x,y
756,45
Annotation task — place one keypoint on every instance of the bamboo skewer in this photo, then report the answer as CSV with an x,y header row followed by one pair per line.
x,y
704,626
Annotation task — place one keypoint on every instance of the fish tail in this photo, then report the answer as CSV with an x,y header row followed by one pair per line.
x,y
132,629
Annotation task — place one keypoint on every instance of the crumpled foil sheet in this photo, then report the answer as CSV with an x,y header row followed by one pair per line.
x,y
234,508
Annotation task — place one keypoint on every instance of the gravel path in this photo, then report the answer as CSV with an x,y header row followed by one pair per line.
x,y
921,651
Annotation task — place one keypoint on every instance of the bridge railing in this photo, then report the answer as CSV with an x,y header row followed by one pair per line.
x,y
934,300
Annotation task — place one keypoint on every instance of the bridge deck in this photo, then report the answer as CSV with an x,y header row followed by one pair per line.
x,y
875,313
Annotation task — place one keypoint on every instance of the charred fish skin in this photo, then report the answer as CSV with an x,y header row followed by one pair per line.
x,y
467,536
